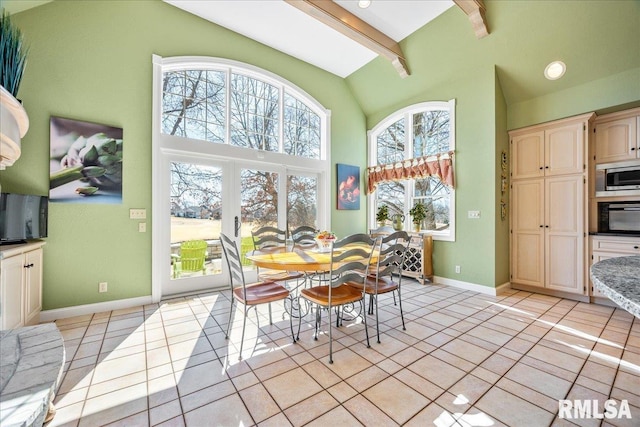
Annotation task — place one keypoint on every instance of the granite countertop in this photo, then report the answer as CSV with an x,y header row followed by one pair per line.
x,y
31,362
619,279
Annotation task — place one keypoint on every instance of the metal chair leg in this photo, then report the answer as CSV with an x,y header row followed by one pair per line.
x,y
299,322
233,300
330,338
401,314
377,322
244,324
366,328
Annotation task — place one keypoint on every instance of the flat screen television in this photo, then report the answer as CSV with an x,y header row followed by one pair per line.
x,y
22,217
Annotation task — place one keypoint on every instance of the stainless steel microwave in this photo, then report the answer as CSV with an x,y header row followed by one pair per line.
x,y
618,179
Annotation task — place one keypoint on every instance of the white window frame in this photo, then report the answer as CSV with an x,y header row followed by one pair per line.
x,y
407,115
169,146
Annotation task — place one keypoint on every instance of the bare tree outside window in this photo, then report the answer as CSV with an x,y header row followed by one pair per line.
x,y
430,136
302,201
195,106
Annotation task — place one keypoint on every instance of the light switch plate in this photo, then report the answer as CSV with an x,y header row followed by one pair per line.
x,y
137,214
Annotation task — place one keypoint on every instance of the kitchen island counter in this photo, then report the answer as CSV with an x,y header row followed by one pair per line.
x,y
619,279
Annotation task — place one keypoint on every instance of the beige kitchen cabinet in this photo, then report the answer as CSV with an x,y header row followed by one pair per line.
x,y
547,233
550,149
548,215
616,136
20,285
605,247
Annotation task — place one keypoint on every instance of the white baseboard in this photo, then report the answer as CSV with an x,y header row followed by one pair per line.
x,y
99,307
472,286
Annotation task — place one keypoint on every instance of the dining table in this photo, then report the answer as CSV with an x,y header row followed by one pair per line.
x,y
312,261
300,258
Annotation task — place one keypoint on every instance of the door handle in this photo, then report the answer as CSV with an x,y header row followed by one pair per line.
x,y
236,225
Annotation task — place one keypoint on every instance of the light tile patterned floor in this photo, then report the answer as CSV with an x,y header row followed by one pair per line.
x,y
466,359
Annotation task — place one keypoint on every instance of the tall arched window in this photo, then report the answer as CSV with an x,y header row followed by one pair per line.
x,y
400,148
236,148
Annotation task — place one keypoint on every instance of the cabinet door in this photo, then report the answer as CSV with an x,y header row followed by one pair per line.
x,y
617,140
597,257
527,155
33,287
564,150
11,279
527,232
564,228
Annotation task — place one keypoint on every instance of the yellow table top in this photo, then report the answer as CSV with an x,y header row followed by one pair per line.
x,y
307,259
298,260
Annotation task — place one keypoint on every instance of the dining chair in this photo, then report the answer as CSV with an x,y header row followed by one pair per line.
x,y
249,295
272,237
304,235
350,259
391,258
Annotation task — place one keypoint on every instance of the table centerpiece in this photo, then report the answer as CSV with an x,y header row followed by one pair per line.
x,y
324,239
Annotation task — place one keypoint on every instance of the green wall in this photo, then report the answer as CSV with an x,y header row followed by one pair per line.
x,y
501,224
91,61
497,89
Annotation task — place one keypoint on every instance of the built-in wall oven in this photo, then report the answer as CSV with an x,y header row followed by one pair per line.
x,y
619,217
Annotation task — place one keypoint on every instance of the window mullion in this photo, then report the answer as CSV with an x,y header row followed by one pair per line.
x,y
408,151
281,121
227,119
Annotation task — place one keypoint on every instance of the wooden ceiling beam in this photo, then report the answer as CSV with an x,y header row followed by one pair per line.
x,y
475,10
343,21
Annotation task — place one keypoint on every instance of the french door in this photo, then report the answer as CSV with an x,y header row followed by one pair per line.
x,y
209,196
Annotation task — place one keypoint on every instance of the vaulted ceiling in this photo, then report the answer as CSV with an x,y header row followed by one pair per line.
x,y
307,29
597,39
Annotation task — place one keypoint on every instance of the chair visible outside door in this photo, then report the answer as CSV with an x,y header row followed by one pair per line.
x,y
393,249
190,259
270,237
249,295
350,261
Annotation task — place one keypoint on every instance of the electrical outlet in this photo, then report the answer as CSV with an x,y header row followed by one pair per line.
x,y
137,214
142,227
457,269
473,214
102,287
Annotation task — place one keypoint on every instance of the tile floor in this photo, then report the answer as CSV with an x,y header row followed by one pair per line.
x,y
465,359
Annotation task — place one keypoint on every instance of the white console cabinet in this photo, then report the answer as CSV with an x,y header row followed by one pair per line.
x,y
20,284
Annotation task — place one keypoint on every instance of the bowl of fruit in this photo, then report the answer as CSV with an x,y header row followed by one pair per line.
x,y
325,239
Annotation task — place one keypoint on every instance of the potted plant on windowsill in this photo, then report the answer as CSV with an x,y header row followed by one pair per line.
x,y
418,213
382,215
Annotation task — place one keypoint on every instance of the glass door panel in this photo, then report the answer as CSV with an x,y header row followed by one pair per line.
x,y
258,205
196,221
302,201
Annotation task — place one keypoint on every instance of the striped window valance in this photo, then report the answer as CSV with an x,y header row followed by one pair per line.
x,y
440,166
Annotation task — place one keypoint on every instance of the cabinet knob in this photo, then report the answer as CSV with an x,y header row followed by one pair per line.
x,y
633,148
541,226
28,265
546,226
635,247
541,168
546,167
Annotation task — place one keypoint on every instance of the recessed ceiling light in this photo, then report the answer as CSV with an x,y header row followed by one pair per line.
x,y
364,4
555,70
